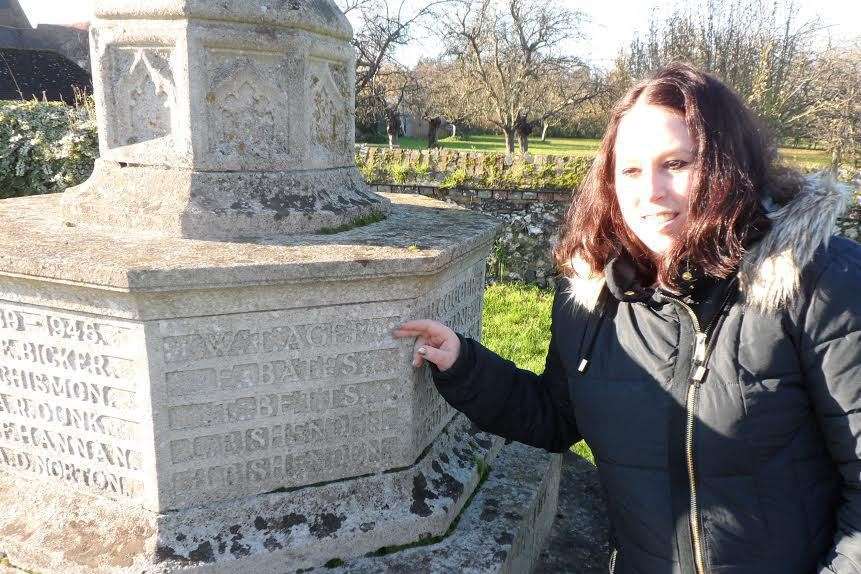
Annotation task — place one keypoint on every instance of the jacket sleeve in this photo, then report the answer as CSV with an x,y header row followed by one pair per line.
x,y
831,359
511,402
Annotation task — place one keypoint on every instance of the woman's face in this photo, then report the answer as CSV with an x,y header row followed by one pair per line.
x,y
654,157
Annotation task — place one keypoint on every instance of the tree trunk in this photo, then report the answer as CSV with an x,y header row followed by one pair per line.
x,y
544,131
523,128
509,139
523,141
393,126
433,126
523,137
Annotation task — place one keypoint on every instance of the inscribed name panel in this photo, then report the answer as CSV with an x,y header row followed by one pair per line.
x,y
71,400
253,402
457,303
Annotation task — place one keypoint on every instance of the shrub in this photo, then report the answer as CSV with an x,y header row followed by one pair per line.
x,y
455,179
45,147
400,172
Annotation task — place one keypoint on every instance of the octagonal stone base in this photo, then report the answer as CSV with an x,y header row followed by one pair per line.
x,y
219,205
353,526
168,376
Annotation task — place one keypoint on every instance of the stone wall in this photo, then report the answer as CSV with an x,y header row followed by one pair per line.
x,y
447,168
531,220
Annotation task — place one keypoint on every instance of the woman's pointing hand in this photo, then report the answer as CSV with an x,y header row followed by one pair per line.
x,y
434,342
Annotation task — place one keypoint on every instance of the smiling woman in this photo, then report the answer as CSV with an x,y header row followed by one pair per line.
x,y
705,342
654,153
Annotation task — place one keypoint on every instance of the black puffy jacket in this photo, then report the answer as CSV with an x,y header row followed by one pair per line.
x,y
725,422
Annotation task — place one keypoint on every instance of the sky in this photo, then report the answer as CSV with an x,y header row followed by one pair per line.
x,y
611,23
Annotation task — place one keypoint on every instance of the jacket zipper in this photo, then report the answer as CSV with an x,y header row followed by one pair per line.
x,y
698,372
613,561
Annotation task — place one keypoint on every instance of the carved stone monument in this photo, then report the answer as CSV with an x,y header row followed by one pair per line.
x,y
196,364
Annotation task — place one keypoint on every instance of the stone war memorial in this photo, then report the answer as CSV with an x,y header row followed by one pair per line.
x,y
197,372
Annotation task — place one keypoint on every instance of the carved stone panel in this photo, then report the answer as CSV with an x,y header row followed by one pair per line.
x,y
70,401
329,130
141,95
277,399
247,113
457,304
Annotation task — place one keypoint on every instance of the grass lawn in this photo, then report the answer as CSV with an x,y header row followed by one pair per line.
x,y
556,146
802,158
516,325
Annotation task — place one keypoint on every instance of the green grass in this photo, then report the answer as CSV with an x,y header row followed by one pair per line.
x,y
806,158
516,325
496,143
799,157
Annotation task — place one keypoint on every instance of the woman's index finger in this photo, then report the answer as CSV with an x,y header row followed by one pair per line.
x,y
418,325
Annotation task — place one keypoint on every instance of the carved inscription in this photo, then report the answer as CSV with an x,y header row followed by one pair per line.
x,y
67,417
68,405
44,466
277,436
144,94
289,468
255,407
459,307
57,387
287,402
279,338
66,358
66,444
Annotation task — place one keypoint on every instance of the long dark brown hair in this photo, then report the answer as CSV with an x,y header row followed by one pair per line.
x,y
735,166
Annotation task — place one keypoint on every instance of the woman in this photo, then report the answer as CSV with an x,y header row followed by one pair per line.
x,y
706,343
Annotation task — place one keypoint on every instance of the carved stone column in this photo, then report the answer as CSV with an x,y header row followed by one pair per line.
x,y
223,119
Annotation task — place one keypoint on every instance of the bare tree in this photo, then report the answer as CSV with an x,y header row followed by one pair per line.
x,y
388,93
381,27
442,96
558,94
837,121
758,47
508,50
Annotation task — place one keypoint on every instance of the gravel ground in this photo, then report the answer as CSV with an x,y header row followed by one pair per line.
x,y
578,542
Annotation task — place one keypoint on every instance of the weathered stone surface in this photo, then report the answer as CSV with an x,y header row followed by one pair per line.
x,y
47,530
502,529
223,119
219,205
158,396
419,239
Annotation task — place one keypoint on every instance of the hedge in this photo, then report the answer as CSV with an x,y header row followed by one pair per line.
x,y
45,147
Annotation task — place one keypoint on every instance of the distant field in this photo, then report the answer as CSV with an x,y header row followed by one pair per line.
x,y
802,158
557,146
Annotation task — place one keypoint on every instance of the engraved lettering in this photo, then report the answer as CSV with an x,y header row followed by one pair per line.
x,y
196,347
45,466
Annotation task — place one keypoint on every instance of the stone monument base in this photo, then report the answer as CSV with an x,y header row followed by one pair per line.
x,y
501,529
219,205
172,405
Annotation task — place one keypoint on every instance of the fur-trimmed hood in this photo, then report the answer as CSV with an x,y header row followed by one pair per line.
x,y
770,273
